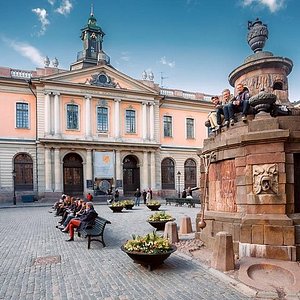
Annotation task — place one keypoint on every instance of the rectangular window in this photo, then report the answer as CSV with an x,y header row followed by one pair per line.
x,y
130,121
22,115
72,116
102,119
190,128
167,126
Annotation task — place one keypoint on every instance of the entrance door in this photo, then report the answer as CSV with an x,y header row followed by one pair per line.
x,y
73,174
131,175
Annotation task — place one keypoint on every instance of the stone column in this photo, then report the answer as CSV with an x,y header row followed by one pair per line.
x,y
144,120
89,170
88,116
152,170
117,118
48,177
151,117
118,165
47,113
56,116
145,172
57,171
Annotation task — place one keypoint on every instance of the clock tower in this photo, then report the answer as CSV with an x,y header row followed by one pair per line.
x,y
92,53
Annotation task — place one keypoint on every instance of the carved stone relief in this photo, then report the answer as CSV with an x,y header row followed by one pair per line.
x,y
266,81
265,179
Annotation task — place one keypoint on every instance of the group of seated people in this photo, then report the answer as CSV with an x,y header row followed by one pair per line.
x,y
225,109
75,213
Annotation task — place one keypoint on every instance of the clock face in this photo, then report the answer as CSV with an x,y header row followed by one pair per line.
x,y
93,35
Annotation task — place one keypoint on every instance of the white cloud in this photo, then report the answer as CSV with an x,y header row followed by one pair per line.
x,y
164,61
26,50
125,56
273,5
65,7
42,16
52,2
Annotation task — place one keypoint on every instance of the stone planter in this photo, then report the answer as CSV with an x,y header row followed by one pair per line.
x,y
153,207
150,260
116,208
129,206
262,102
159,225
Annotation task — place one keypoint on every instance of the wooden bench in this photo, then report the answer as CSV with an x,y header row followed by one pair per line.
x,y
96,231
182,201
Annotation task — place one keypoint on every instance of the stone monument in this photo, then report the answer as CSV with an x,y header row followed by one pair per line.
x,y
254,180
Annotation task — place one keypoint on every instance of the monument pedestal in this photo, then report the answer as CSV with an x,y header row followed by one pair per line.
x,y
251,187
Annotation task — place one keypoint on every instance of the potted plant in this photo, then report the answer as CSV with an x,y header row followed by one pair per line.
x,y
128,204
116,206
150,250
159,220
153,205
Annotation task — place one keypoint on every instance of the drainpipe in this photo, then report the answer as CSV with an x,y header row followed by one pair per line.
x,y
29,83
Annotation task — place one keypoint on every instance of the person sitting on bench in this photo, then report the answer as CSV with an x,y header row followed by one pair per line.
x,y
86,220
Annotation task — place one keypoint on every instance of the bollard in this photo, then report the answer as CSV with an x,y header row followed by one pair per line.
x,y
223,256
171,232
185,225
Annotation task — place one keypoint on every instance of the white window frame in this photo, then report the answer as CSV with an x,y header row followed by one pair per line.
x,y
29,114
66,116
108,119
135,125
194,132
172,124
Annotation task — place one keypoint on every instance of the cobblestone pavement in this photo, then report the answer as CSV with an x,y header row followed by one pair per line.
x,y
73,272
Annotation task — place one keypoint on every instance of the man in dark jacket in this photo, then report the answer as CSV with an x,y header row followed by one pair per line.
x,y
84,221
240,104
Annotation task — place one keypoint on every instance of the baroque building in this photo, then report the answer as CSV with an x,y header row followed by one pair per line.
x,y
92,127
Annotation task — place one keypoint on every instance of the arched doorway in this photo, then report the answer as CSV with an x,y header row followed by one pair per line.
x,y
190,173
131,175
73,174
167,174
23,166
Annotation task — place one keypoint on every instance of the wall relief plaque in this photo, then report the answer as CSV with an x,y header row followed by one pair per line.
x,y
265,179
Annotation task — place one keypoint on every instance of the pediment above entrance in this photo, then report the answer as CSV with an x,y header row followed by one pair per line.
x,y
100,76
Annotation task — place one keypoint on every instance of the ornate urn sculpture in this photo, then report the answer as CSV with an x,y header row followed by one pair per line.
x,y
262,102
257,35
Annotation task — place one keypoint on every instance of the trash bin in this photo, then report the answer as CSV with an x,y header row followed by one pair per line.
x,y
27,198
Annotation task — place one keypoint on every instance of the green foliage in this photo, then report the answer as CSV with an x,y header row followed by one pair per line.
x,y
160,216
151,243
153,202
117,204
127,202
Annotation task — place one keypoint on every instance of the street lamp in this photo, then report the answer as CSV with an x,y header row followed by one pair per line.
x,y
178,176
14,174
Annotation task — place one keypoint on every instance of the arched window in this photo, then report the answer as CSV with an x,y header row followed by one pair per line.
x,y
167,174
190,173
277,86
23,167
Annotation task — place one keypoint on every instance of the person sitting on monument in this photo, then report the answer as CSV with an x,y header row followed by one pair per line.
x,y
240,104
227,100
212,116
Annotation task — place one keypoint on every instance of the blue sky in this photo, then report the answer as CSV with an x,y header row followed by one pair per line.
x,y
193,44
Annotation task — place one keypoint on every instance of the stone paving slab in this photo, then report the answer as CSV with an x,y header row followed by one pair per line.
x,y
37,263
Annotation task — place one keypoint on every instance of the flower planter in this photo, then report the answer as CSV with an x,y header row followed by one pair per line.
x,y
116,208
153,207
129,206
150,260
159,225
